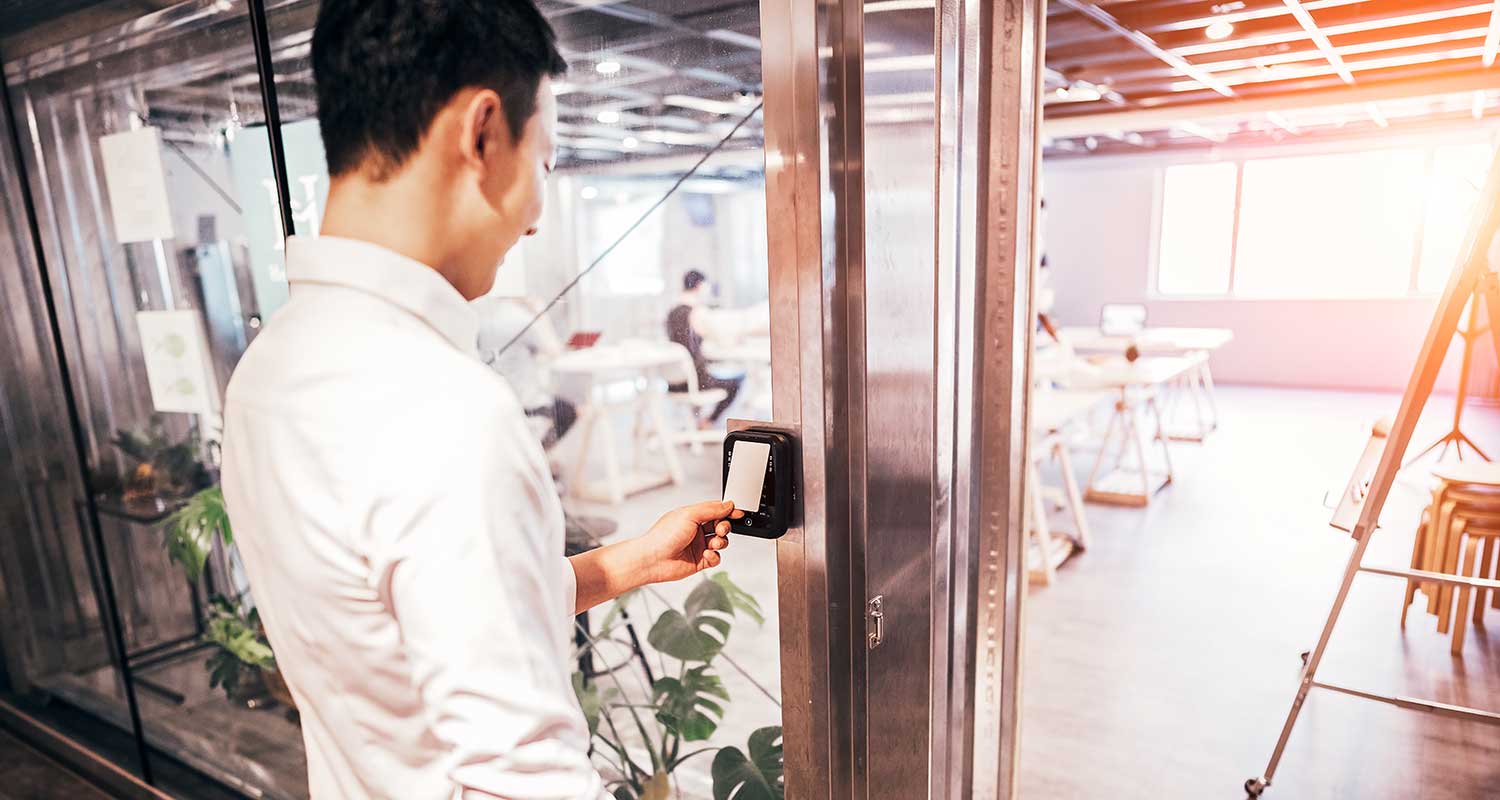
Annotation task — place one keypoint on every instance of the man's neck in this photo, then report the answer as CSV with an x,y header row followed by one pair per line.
x,y
393,215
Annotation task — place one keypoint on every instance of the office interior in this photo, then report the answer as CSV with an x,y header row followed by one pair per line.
x,y
1247,214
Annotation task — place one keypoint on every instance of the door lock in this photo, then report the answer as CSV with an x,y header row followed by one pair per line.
x,y
875,623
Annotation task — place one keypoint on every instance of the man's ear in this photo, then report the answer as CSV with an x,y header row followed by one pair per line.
x,y
484,128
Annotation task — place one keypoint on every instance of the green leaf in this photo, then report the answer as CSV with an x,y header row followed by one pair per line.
x,y
756,777
190,531
592,701
659,787
698,632
237,637
691,707
741,600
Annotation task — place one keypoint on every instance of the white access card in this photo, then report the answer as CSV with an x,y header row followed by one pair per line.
x,y
747,474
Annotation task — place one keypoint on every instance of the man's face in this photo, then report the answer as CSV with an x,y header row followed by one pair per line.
x,y
516,177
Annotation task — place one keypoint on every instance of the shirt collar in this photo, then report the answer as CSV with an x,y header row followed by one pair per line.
x,y
403,282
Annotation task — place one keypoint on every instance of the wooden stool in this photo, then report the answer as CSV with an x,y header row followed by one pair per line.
x,y
1479,535
1459,534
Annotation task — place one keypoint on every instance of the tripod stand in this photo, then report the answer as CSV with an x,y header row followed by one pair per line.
x,y
1474,275
1471,332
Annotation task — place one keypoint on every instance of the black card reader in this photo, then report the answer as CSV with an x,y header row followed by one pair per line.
x,y
759,477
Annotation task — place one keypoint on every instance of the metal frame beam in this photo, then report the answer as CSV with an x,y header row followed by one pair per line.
x,y
1172,116
1148,44
1492,38
1305,19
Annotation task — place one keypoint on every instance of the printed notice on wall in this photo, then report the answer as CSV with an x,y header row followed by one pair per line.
x,y
177,365
137,185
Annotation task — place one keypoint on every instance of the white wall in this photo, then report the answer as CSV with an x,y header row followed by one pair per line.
x,y
1101,230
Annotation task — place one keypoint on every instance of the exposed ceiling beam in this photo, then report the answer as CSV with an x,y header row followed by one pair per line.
x,y
1202,132
1279,120
1492,39
1145,72
1304,18
1247,78
1146,43
1355,24
1172,116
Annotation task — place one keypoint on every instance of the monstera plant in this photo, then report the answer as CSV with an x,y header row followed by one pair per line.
x,y
644,734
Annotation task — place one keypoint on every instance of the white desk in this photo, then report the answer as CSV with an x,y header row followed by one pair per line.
x,y
1195,385
753,354
640,363
1136,387
1053,411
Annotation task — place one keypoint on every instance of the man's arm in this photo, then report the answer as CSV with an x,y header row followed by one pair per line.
x,y
680,544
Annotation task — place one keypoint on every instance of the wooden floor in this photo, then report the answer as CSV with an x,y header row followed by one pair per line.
x,y
26,774
1162,662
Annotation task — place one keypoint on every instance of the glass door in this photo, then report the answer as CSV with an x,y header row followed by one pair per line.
x,y
128,122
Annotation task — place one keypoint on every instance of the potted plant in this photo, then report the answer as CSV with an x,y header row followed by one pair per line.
x,y
163,469
643,735
243,664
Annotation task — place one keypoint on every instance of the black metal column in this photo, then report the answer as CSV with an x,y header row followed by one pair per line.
x,y
266,69
109,611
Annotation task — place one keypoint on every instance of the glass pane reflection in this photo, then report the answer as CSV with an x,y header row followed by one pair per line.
x,y
654,86
133,125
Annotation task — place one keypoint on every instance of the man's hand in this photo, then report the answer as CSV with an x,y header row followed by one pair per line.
x,y
686,541
681,544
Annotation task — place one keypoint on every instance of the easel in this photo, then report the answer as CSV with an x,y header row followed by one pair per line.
x,y
1474,275
1471,332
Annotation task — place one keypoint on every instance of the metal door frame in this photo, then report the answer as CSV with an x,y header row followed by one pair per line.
x,y
987,113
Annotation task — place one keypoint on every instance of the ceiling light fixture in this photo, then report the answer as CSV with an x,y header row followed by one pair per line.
x,y
1083,93
589,193
630,143
1219,30
609,117
607,67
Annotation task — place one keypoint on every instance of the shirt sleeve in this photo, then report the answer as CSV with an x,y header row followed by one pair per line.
x,y
475,597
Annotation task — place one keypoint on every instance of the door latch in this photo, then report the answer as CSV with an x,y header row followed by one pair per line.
x,y
875,622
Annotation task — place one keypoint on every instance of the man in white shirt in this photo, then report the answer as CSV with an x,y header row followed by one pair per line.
x,y
395,516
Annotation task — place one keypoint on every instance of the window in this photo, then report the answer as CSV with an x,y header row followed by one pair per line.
x,y
1197,241
1330,226
1379,223
1453,186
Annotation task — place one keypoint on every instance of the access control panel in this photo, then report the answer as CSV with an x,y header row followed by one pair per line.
x,y
760,466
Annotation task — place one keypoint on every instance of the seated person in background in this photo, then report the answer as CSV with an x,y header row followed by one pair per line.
x,y
524,364
688,323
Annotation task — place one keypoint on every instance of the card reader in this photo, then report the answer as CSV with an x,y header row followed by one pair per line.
x,y
759,478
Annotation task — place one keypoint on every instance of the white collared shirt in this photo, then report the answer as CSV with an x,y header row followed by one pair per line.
x,y
404,541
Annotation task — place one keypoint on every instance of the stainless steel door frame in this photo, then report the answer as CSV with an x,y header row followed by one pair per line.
x,y
912,465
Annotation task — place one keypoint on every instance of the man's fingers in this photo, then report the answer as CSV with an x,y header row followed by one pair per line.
x,y
722,528
708,511
711,558
718,542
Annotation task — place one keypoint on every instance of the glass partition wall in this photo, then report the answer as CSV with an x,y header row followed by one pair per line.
x,y
145,147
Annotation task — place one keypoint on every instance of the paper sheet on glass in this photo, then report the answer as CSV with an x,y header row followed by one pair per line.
x,y
177,365
137,185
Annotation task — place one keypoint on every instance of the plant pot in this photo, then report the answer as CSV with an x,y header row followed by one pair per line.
x,y
276,687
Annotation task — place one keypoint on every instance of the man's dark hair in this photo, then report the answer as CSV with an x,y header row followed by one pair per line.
x,y
384,68
693,279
